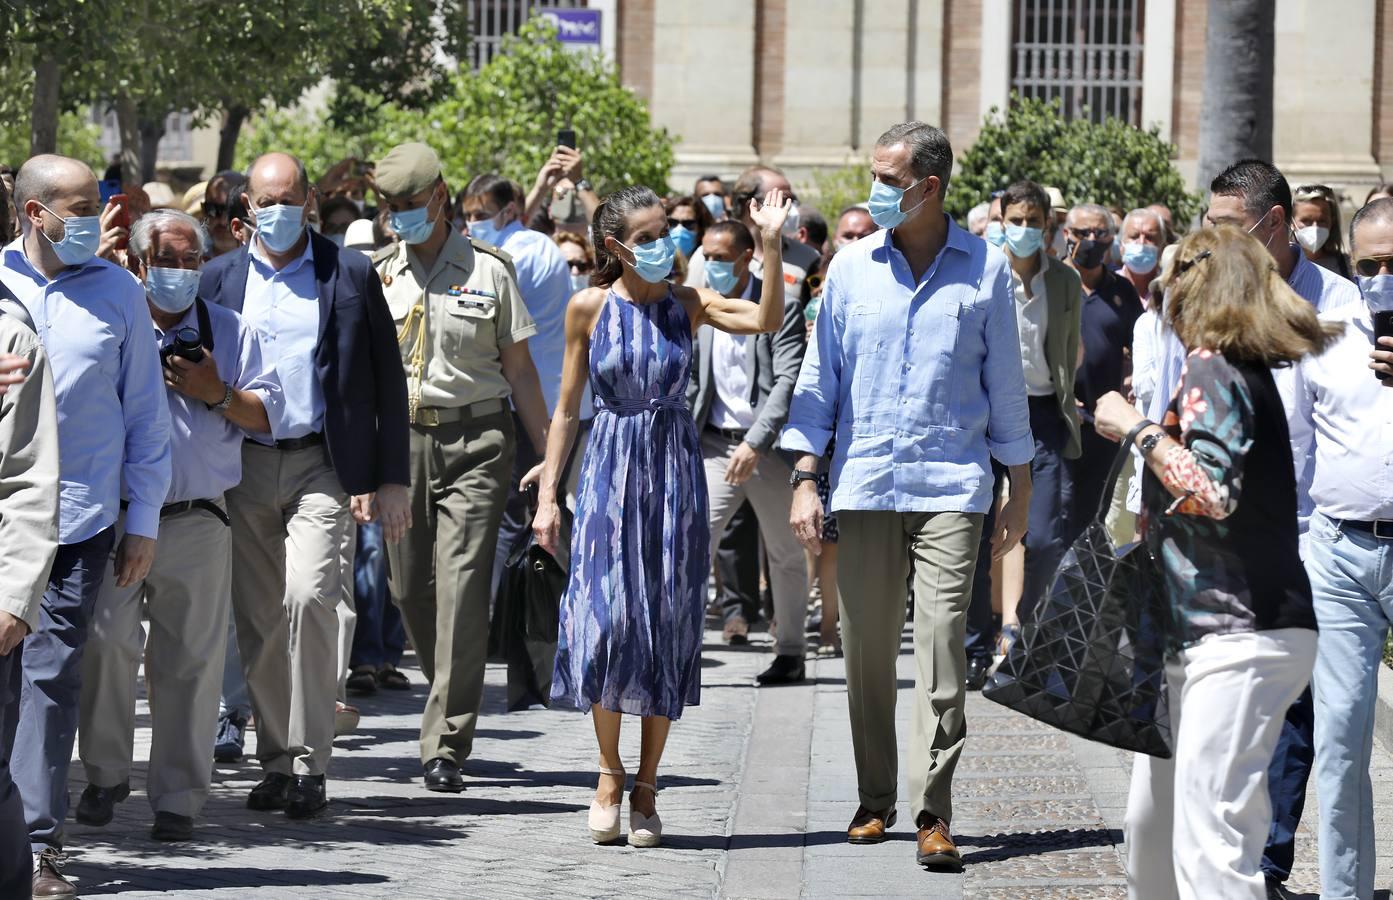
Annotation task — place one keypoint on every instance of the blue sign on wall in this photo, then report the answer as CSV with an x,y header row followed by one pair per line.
x,y
576,26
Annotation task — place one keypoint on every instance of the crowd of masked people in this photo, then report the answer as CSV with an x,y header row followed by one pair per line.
x,y
260,439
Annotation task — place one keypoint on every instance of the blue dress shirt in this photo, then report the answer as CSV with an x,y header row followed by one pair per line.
x,y
113,422
205,447
919,382
283,308
544,280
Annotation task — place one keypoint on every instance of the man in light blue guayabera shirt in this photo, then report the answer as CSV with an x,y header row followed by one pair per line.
x,y
915,371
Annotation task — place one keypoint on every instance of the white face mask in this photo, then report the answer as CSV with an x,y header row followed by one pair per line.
x,y
1312,237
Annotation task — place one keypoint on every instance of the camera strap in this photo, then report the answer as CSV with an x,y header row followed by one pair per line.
x,y
205,325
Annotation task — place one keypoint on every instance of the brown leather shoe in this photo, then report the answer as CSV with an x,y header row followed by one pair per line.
x,y
48,881
869,826
936,847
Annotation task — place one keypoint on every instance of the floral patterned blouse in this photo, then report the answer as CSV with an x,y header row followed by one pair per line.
x,y
1221,518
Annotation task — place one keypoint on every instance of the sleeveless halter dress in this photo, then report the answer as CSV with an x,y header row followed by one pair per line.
x,y
633,614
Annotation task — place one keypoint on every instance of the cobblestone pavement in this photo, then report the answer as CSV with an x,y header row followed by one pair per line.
x,y
758,786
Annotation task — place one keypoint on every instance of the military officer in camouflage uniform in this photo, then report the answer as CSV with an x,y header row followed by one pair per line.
x,y
463,331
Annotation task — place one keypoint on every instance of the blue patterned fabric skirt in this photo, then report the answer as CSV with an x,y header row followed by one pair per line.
x,y
632,618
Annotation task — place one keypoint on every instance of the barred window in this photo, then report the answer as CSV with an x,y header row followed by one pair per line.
x,y
1085,53
492,20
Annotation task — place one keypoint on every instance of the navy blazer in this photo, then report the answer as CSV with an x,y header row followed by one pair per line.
x,y
357,360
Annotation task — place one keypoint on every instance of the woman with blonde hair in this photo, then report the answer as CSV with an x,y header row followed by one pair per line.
x,y
1220,516
1315,221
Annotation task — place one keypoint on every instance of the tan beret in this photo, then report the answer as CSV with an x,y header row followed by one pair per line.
x,y
406,170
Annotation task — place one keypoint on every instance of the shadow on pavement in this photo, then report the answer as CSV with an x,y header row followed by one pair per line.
x,y
496,773
737,842
117,878
997,847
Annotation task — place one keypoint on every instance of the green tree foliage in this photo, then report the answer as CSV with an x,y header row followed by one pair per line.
x,y
502,119
833,190
1110,163
407,61
77,138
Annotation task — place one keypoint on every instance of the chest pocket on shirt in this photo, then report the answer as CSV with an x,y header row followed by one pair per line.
x,y
863,328
470,325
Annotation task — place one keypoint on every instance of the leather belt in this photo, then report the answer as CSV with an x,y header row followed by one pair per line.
x,y
432,416
730,434
183,506
300,443
1381,529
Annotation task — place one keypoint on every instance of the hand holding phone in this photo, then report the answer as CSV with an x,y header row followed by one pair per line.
x,y
1382,354
115,225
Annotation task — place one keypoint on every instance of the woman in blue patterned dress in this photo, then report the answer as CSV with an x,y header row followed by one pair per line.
x,y
631,620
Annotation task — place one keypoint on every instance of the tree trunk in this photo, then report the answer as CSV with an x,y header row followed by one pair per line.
x,y
48,72
232,121
1236,113
151,130
128,126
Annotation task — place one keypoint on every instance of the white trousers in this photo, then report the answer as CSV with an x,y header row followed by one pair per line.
x,y
1197,823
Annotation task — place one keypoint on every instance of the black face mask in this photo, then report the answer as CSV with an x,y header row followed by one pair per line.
x,y
1089,254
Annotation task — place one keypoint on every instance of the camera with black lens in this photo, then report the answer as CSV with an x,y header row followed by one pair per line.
x,y
187,344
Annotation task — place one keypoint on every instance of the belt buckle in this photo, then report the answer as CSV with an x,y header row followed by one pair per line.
x,y
1383,529
430,418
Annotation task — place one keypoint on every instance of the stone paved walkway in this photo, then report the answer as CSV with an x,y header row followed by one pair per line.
x,y
758,786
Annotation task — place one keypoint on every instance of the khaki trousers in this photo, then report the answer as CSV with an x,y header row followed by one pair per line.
x,y
878,555
186,596
442,571
290,519
346,613
771,496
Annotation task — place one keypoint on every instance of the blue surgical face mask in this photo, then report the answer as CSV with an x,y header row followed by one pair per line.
x,y
716,205
721,276
413,226
684,238
1140,257
485,230
280,226
884,204
579,283
1023,241
81,234
171,290
653,260
996,234
1377,291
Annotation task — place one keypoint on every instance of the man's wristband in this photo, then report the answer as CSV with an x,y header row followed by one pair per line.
x,y
799,475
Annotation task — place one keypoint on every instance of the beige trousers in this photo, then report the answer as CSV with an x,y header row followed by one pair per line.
x,y
771,496
347,612
290,520
442,571
878,555
186,597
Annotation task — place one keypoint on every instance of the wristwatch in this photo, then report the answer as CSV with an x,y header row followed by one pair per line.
x,y
226,400
799,475
584,185
1148,443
